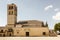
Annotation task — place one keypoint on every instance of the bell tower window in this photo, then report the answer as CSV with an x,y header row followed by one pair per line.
x,y
10,7
10,12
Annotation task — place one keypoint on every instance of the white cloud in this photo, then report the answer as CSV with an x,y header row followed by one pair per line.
x,y
8,0
56,9
57,16
48,7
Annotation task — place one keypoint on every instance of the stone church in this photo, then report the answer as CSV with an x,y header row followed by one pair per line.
x,y
28,28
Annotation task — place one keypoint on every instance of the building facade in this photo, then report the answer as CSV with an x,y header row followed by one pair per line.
x,y
30,28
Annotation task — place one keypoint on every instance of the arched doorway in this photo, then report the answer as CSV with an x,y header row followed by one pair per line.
x,y
3,35
10,32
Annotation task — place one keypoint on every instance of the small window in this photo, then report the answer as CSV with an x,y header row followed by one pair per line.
x,y
10,30
44,33
10,12
17,32
27,33
3,35
10,7
1,31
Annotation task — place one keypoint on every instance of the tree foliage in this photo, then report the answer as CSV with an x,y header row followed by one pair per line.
x,y
57,27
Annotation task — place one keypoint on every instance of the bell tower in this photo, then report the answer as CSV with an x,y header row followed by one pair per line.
x,y
11,14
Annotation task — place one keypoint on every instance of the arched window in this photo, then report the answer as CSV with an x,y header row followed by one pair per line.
x,y
44,33
10,12
10,7
10,30
1,31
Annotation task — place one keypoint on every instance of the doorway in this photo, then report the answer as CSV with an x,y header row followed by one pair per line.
x,y
27,34
10,34
44,33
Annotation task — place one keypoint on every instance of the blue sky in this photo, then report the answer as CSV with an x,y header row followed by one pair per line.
x,y
42,10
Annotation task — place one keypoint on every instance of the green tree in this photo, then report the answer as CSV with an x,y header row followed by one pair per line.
x,y
57,27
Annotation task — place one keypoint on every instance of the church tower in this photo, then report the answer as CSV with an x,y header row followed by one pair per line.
x,y
11,15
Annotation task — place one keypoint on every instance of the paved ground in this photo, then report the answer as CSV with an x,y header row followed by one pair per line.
x,y
30,38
